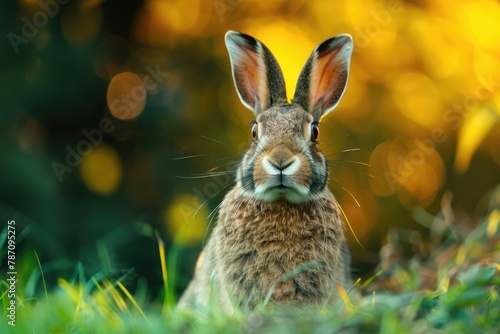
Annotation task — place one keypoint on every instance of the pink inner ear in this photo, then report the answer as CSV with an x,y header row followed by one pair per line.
x,y
248,75
324,79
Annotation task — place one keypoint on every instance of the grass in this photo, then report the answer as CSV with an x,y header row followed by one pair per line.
x,y
456,289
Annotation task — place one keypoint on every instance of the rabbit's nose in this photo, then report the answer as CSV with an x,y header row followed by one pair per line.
x,y
280,160
283,164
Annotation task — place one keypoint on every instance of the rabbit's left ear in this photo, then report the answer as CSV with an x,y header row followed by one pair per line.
x,y
256,73
323,79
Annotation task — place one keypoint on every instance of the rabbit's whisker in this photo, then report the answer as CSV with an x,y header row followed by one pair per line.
x,y
357,163
337,167
335,142
349,224
236,181
350,193
343,151
207,174
208,199
210,175
349,162
350,150
323,215
210,221
222,143
260,146
211,216
228,156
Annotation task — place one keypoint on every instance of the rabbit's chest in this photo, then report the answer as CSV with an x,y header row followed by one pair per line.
x,y
294,253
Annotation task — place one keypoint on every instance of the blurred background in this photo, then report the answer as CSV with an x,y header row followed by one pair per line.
x,y
113,111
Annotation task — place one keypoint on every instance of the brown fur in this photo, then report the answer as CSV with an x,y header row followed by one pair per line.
x,y
279,232
256,243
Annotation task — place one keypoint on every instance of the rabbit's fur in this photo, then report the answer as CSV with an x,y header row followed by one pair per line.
x,y
279,232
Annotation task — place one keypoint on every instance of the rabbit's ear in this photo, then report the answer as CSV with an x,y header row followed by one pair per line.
x,y
323,79
256,73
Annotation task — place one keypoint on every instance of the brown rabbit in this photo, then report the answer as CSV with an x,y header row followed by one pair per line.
x,y
279,232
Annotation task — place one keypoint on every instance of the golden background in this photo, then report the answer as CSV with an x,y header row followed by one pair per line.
x,y
419,120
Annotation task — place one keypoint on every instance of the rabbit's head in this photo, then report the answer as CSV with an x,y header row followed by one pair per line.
x,y
283,161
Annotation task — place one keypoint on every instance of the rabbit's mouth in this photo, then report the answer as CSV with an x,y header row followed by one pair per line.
x,y
282,189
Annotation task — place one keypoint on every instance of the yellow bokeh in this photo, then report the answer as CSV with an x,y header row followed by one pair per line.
x,y
355,16
411,168
186,219
420,187
418,98
486,68
385,182
276,35
101,169
163,21
479,19
493,223
441,57
471,134
354,101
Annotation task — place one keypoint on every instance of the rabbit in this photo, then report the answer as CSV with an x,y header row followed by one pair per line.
x,y
279,234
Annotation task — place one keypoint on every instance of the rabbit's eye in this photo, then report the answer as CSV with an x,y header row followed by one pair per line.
x,y
254,131
314,132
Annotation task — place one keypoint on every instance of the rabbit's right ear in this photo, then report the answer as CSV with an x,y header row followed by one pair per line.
x,y
256,73
323,79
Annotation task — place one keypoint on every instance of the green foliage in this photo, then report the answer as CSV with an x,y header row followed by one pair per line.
x,y
470,306
465,298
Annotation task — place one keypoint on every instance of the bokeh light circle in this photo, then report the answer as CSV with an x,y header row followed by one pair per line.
x,y
101,169
126,96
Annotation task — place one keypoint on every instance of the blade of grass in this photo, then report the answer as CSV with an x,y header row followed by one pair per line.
x,y
115,295
43,276
171,265
163,262
371,279
345,298
132,300
103,292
